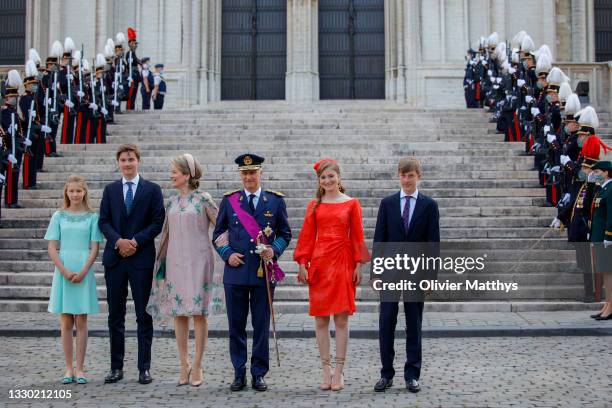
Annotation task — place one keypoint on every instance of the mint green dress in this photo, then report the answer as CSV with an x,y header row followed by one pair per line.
x,y
74,232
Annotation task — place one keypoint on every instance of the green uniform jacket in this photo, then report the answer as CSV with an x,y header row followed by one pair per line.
x,y
601,223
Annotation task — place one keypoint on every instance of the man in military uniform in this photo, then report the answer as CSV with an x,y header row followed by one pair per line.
x,y
133,64
241,214
11,123
31,119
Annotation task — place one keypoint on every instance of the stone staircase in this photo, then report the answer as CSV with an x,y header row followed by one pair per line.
x,y
486,189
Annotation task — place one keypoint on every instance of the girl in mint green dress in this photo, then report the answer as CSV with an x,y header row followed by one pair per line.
x,y
74,240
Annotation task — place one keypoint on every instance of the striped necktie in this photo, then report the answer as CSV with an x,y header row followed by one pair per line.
x,y
406,214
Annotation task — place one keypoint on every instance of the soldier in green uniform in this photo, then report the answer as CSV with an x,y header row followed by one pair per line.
x,y
601,231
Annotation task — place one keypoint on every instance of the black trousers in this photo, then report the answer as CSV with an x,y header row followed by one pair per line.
x,y
386,325
140,281
146,99
11,195
238,298
158,103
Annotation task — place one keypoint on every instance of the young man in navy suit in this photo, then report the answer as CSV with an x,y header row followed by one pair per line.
x,y
131,216
406,216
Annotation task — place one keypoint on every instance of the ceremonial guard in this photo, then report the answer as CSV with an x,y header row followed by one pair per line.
x,y
82,108
133,64
39,94
28,105
11,124
469,80
109,78
67,93
4,163
50,96
120,80
251,233
99,103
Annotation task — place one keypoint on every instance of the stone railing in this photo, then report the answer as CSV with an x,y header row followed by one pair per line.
x,y
599,77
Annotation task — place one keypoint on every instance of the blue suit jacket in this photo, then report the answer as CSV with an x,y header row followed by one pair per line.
x,y
424,224
270,211
144,223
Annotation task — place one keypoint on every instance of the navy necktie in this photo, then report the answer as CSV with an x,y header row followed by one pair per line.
x,y
251,203
406,214
129,198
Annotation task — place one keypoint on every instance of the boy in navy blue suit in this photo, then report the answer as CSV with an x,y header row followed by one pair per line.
x,y
406,216
245,286
131,216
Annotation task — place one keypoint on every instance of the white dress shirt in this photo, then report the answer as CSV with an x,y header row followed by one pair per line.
x,y
135,180
256,198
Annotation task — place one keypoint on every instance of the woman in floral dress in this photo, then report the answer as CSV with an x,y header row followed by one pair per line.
x,y
183,285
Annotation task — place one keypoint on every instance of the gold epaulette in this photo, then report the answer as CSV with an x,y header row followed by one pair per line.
x,y
230,192
276,193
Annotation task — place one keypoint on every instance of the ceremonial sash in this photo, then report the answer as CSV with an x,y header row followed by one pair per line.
x,y
252,228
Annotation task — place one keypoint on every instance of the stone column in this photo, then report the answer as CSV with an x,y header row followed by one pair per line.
x,y
302,78
498,18
55,26
590,30
579,30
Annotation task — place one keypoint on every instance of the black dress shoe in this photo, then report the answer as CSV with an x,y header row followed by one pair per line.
x,y
595,316
15,206
145,377
413,386
259,384
383,384
608,317
238,384
113,376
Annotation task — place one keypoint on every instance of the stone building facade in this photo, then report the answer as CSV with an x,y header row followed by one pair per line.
x,y
421,43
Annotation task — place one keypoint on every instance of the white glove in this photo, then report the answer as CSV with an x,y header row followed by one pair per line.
x,y
33,114
69,104
120,86
261,248
528,98
565,200
45,129
102,88
495,86
12,159
2,178
551,138
15,128
93,106
498,79
546,128
104,111
535,111
490,73
520,83
607,243
556,223
27,142
49,101
564,159
555,169
80,94
130,80
115,103
511,70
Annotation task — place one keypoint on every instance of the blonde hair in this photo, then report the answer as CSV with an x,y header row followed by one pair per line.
x,y
182,165
74,178
327,165
408,164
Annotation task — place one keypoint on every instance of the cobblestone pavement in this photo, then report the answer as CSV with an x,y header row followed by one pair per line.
x,y
472,372
363,325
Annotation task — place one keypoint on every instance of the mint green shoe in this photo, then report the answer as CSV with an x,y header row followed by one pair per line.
x,y
67,380
81,380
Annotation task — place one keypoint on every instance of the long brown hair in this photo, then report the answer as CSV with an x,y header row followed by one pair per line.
x,y
324,166
74,178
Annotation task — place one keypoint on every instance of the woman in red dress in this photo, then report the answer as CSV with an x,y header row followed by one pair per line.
x,y
330,253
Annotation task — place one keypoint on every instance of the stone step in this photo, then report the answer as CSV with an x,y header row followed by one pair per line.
x,y
292,293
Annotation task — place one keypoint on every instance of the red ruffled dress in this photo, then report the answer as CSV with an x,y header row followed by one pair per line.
x,y
330,247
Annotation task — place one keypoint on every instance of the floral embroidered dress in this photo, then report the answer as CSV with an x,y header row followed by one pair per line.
x,y
74,232
331,243
189,286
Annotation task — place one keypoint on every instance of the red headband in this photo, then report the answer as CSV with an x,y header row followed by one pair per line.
x,y
320,162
